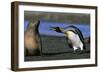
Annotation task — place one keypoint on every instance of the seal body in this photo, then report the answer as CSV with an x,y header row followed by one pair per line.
x,y
31,40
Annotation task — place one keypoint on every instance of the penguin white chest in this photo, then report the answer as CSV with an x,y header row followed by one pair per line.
x,y
74,39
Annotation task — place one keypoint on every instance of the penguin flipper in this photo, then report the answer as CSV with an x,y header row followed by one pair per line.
x,y
70,44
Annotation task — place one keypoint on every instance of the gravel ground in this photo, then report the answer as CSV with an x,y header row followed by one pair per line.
x,y
56,48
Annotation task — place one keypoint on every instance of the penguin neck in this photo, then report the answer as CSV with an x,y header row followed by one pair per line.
x,y
58,30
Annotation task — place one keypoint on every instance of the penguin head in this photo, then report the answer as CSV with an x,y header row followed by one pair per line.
x,y
57,29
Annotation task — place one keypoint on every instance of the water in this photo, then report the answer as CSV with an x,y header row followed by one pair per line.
x,y
25,24
44,28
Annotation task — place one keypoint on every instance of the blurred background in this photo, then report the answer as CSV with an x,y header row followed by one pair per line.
x,y
58,17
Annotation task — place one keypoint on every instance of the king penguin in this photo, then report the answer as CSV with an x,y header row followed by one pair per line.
x,y
74,37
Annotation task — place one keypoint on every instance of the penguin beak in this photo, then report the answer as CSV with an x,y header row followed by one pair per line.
x,y
57,29
53,28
